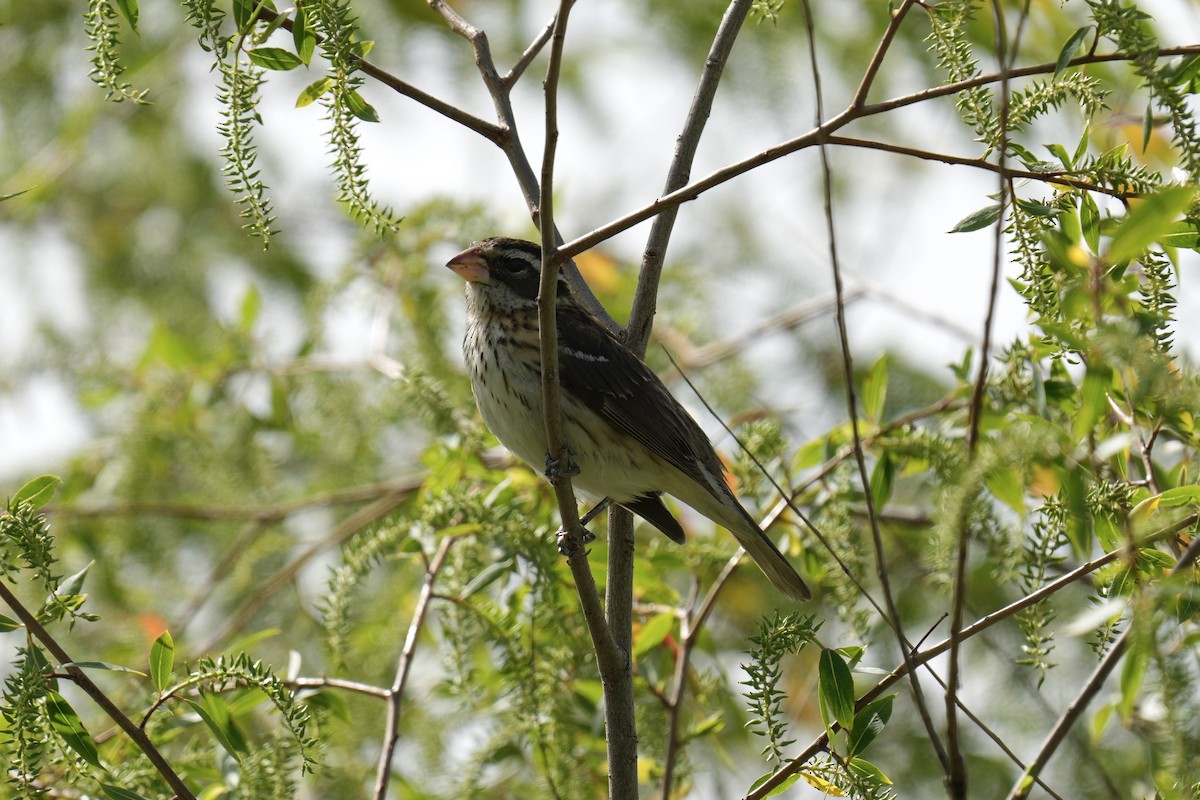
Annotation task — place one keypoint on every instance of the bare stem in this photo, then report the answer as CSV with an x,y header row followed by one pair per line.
x,y
80,678
983,623
404,666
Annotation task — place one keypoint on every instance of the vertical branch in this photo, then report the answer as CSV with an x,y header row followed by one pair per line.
x,y
613,661
641,316
956,770
893,615
396,693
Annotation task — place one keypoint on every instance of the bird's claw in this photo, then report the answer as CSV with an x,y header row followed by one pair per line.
x,y
555,468
569,545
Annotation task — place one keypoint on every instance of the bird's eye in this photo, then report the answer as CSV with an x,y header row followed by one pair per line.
x,y
513,264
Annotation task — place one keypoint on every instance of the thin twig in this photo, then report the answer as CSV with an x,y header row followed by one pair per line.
x,y
342,531
892,617
518,69
641,316
885,43
813,137
404,667
983,623
956,768
80,678
338,683
1095,681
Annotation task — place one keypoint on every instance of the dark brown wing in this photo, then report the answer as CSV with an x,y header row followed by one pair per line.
x,y
599,371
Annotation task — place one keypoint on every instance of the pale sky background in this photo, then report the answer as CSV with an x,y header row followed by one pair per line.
x,y
892,219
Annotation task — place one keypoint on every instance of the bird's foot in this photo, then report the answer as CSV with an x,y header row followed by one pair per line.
x,y
570,545
561,467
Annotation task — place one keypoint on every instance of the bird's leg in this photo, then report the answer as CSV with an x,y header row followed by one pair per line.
x,y
561,467
566,545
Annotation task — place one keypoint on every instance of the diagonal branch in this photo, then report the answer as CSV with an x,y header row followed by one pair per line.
x,y
892,617
81,679
819,744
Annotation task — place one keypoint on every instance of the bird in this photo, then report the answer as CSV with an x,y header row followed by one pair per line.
x,y
629,439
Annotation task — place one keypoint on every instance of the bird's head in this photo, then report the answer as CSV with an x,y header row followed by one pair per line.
x,y
505,266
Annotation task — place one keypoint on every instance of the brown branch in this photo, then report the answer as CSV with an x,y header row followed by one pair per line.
x,y
1095,681
983,623
80,678
341,532
404,667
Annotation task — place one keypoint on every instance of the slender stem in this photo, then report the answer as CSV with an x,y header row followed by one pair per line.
x,y
80,678
893,615
404,667
1075,709
641,316
885,42
983,623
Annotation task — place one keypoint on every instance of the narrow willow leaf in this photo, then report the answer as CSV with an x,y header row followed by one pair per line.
x,y
881,480
66,723
129,10
37,492
361,108
1089,221
868,723
103,665
778,790
875,390
1071,48
1181,496
313,92
867,770
1147,126
304,39
836,688
215,714
117,793
275,58
652,633
8,624
1185,234
1151,218
162,661
980,219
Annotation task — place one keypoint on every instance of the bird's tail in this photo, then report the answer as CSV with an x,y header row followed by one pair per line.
x,y
768,558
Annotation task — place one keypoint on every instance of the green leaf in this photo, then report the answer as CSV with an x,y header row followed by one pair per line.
x,y
215,714
868,723
8,624
1181,496
868,771
66,723
1150,219
713,723
117,793
487,576
103,665
129,10
781,788
1147,126
304,39
162,661
37,492
980,219
1071,48
835,686
361,108
875,390
1089,221
313,92
250,310
1093,400
653,633
1133,673
1184,234
1005,485
362,49
275,58
881,480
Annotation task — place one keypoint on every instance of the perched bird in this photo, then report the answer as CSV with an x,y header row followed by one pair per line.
x,y
630,439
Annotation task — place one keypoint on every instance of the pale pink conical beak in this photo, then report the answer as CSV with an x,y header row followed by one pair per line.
x,y
470,265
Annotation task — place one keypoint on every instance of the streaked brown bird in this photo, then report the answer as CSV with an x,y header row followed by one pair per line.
x,y
630,439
